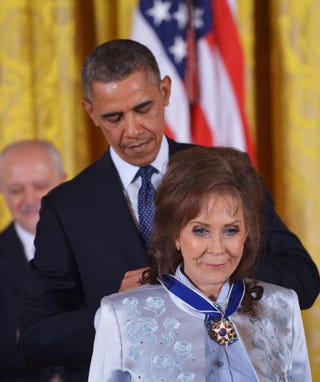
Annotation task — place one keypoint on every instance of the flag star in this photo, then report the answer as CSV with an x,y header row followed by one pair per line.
x,y
197,21
160,11
178,49
181,16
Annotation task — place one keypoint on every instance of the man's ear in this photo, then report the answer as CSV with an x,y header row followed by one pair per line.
x,y
89,109
165,87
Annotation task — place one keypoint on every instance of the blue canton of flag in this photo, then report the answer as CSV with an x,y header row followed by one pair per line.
x,y
170,20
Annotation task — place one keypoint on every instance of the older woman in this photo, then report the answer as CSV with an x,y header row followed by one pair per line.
x,y
200,316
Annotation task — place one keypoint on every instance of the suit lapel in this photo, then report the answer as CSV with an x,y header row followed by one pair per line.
x,y
108,219
116,216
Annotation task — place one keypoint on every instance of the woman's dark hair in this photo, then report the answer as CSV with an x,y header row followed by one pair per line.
x,y
193,175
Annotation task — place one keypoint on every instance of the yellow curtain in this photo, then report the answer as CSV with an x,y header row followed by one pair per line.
x,y
296,137
39,86
42,46
295,123
245,17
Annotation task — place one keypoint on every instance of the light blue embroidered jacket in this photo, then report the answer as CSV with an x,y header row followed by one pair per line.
x,y
150,335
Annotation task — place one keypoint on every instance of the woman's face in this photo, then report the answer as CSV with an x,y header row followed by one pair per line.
x,y
212,243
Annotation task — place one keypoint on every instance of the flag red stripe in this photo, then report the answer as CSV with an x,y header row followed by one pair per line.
x,y
201,133
231,52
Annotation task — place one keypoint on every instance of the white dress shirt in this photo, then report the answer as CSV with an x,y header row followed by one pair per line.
x,y
27,240
128,174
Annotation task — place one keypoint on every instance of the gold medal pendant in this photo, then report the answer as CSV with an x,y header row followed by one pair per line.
x,y
222,331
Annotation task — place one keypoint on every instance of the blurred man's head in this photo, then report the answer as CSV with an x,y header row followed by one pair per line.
x,y
28,170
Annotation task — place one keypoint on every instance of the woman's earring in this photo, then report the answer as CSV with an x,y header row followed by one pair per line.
x,y
178,246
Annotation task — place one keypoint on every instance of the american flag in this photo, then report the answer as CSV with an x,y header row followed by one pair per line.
x,y
196,43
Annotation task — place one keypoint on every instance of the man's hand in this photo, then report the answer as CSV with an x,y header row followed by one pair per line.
x,y
132,279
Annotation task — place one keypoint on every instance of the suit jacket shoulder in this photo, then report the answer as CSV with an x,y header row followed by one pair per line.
x,y
90,227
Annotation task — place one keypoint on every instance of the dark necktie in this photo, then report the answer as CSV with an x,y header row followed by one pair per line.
x,y
146,208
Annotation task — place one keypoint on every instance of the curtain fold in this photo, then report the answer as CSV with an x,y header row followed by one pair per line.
x,y
295,33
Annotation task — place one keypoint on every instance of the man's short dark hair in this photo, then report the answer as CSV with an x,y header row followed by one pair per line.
x,y
114,61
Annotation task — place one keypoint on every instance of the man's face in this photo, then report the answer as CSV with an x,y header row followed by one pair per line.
x,y
27,175
130,114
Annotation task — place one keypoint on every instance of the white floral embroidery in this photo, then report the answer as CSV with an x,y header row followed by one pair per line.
x,y
130,303
183,351
171,324
133,328
136,353
161,361
275,321
148,328
142,329
156,305
154,302
182,348
150,324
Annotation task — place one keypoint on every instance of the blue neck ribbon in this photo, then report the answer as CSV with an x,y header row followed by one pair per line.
x,y
193,299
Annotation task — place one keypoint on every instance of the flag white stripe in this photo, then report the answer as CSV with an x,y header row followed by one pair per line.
x,y
177,112
218,99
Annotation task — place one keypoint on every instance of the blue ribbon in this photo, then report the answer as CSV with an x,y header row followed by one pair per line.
x,y
199,303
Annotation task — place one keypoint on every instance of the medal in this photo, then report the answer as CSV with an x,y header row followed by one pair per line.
x,y
222,331
220,328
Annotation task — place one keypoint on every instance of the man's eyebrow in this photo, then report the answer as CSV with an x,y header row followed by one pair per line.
x,y
142,105
120,113
112,114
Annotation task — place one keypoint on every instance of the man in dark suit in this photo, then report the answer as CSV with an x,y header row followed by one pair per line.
x,y
88,241
28,170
